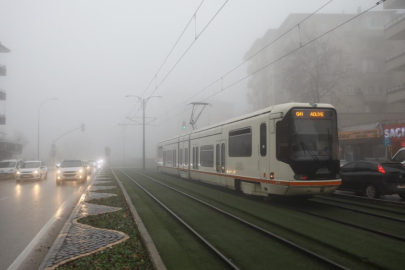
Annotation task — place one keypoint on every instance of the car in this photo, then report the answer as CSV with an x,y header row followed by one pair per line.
x,y
343,162
9,167
399,156
71,170
32,170
373,178
88,166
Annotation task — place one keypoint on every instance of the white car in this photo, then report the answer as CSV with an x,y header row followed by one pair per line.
x,y
32,170
8,168
69,170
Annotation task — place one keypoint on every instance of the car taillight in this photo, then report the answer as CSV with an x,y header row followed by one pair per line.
x,y
380,168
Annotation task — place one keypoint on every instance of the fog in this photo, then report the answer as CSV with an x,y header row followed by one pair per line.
x,y
91,54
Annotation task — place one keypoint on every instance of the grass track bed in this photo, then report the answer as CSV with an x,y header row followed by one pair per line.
x,y
351,247
128,255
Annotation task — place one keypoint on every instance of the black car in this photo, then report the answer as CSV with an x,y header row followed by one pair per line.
x,y
372,178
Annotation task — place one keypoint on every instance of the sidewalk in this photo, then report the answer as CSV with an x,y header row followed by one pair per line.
x,y
79,240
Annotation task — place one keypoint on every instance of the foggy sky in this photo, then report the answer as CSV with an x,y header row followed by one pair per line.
x,y
90,54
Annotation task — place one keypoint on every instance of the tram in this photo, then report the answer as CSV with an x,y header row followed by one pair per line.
x,y
288,149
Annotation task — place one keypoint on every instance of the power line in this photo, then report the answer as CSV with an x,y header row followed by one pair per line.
x,y
175,44
275,40
157,87
284,56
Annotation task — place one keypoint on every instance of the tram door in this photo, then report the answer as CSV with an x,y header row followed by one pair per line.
x,y
182,157
263,155
220,161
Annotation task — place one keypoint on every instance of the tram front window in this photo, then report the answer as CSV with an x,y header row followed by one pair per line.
x,y
313,139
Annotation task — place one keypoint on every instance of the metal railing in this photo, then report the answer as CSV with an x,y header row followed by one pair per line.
x,y
395,21
396,88
395,55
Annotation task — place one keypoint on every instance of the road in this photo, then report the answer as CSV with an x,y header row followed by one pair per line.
x,y
30,207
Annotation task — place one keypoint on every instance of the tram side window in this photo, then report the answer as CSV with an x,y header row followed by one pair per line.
x,y
169,156
186,156
207,156
217,156
193,158
282,140
174,158
240,142
196,157
164,157
180,157
160,152
263,140
223,158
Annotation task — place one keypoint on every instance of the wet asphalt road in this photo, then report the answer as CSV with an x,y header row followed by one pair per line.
x,y
25,208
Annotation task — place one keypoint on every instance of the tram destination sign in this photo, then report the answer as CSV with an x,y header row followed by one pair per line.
x,y
308,113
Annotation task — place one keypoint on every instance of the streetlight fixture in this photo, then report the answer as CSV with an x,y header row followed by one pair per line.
x,y
143,102
39,111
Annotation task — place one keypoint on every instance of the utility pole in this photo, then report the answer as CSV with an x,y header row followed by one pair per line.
x,y
39,113
143,102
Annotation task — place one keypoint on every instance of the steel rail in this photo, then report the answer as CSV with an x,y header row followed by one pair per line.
x,y
359,205
360,198
393,236
302,249
223,257
359,211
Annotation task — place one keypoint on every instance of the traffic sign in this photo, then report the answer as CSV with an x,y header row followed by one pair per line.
x,y
387,141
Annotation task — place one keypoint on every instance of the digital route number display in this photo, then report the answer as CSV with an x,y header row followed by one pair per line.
x,y
308,113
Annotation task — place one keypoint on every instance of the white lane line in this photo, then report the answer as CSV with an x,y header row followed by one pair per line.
x,y
34,241
2,199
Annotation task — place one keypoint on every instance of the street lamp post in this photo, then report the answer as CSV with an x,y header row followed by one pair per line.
x,y
143,102
39,111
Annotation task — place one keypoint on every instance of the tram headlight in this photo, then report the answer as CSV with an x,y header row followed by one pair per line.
x,y
271,175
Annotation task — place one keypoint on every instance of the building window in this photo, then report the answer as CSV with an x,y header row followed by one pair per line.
x,y
240,142
350,109
263,140
207,156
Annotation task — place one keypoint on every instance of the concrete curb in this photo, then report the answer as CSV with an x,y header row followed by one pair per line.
x,y
147,240
65,230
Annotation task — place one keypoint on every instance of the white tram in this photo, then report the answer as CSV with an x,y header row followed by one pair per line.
x,y
288,149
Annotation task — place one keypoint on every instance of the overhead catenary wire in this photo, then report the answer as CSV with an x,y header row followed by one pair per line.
x,y
189,47
249,58
275,61
174,46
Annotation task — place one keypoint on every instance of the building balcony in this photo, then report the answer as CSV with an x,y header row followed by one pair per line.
x,y
395,30
396,94
394,4
2,119
3,70
3,49
12,147
396,61
2,94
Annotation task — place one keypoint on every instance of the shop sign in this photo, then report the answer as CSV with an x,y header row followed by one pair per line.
x,y
359,134
394,132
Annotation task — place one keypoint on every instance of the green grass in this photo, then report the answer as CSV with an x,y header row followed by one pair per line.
x,y
130,254
247,248
351,247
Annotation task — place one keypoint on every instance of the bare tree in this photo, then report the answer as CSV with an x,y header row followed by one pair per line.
x,y
314,71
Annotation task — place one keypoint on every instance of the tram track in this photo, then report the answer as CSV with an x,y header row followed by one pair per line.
x,y
382,233
377,208
365,199
293,245
358,211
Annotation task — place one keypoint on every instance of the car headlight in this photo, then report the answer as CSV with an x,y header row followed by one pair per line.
x,y
81,171
58,171
88,167
18,172
35,172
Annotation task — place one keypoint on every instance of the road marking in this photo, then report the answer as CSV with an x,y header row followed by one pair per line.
x,y
35,241
5,198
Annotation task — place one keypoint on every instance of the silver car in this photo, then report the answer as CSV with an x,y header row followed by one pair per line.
x,y
31,170
69,170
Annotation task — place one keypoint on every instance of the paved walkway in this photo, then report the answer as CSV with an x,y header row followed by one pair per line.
x,y
78,240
